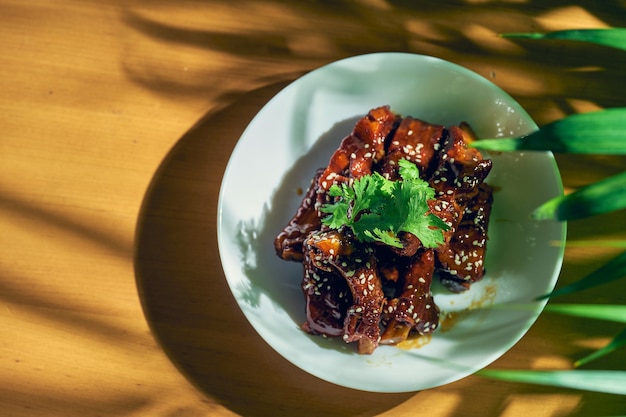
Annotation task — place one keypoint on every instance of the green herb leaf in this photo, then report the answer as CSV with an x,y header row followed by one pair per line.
x,y
616,343
613,382
612,37
600,132
601,197
377,209
611,271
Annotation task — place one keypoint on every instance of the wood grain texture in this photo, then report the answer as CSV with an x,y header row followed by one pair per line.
x,y
117,119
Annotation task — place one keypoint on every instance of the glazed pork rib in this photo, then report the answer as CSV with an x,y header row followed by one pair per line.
x,y
414,308
335,252
346,282
288,243
416,141
464,202
359,152
461,261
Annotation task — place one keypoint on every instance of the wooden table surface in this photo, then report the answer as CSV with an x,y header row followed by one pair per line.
x,y
117,119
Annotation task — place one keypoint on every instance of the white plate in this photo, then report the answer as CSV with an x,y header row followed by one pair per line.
x,y
297,131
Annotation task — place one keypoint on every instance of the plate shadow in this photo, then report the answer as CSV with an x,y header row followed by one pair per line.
x,y
185,296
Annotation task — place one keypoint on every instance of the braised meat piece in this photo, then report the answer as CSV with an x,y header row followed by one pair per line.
x,y
462,260
288,243
327,300
414,307
335,252
359,151
416,141
460,170
460,189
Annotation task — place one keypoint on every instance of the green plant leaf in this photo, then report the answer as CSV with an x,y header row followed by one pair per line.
x,y
616,343
599,243
613,382
612,37
599,132
597,198
602,132
611,271
610,312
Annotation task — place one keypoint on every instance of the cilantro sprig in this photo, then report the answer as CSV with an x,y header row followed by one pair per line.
x,y
378,209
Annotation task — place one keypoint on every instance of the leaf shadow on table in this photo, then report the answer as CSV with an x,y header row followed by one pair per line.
x,y
279,37
185,296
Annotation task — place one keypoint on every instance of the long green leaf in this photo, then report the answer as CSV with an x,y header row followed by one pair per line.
x,y
611,271
599,243
610,312
599,132
597,198
616,343
613,382
612,37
